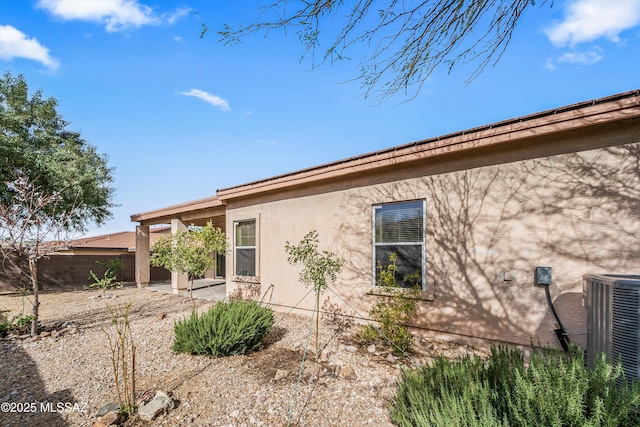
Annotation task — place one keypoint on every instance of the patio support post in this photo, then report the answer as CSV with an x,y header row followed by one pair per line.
x,y
143,268
179,282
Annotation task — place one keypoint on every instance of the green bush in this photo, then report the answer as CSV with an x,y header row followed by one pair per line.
x,y
396,306
18,325
554,389
236,327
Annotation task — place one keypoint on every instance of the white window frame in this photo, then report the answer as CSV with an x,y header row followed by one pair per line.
x,y
422,244
236,247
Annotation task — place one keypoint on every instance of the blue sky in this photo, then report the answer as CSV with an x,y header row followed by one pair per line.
x,y
180,116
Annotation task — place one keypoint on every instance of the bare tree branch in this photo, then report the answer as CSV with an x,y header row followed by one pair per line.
x,y
407,40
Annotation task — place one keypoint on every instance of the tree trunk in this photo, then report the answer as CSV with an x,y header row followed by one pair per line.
x,y
317,325
33,268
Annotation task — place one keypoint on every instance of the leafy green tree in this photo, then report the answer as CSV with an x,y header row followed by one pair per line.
x,y
191,251
406,40
35,144
51,181
319,268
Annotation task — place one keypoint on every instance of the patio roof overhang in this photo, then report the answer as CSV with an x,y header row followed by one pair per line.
x,y
196,212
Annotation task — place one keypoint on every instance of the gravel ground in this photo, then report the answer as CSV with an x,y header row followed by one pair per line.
x,y
63,380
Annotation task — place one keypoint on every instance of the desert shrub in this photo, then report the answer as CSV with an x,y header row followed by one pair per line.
x,y
227,328
109,279
395,307
554,388
123,358
18,325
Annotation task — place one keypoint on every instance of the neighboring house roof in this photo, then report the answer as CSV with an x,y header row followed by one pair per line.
x,y
509,133
122,241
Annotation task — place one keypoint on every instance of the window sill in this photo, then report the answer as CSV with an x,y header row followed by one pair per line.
x,y
246,279
376,292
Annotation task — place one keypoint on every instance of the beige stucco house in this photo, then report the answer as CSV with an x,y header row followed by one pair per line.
x,y
474,213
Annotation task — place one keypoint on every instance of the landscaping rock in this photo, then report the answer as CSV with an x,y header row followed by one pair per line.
x,y
371,348
391,358
145,397
348,372
351,348
160,316
109,419
333,360
109,407
281,374
160,403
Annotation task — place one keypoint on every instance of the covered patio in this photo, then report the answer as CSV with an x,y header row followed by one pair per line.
x,y
179,217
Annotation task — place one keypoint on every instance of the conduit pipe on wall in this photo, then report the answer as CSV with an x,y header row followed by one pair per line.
x,y
542,277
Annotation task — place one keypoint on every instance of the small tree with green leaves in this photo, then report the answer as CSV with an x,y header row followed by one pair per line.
x,y
319,267
191,251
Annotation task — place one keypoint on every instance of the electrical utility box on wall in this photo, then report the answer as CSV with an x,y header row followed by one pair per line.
x,y
613,320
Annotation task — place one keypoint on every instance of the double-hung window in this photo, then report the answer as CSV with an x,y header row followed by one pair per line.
x,y
399,228
245,248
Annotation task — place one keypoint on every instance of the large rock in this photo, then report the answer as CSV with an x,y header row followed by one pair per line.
x,y
161,402
145,397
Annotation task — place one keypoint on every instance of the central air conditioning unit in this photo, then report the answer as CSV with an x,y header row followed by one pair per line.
x,y
613,320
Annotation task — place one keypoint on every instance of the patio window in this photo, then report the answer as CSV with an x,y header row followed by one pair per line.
x,y
245,248
399,228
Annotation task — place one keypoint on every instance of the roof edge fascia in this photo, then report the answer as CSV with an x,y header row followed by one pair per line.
x,y
174,210
575,116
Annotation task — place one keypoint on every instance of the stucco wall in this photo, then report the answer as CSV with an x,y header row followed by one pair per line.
x,y
578,213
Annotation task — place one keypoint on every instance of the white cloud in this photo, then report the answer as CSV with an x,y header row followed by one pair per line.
x,y
172,18
116,15
589,57
268,141
16,44
214,100
588,20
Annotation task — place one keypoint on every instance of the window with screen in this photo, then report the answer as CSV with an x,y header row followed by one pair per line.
x,y
245,248
399,228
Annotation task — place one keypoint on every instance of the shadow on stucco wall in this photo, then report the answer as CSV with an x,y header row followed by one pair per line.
x,y
578,213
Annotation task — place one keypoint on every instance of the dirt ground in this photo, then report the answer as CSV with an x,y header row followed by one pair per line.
x,y
65,378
